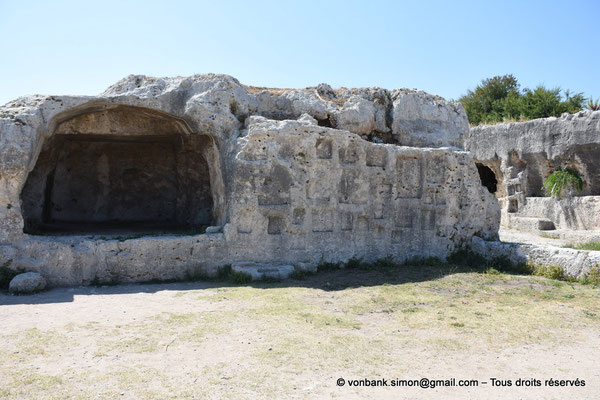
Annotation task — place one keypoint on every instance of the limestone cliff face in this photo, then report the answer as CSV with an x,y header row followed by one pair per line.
x,y
539,146
292,176
552,136
523,154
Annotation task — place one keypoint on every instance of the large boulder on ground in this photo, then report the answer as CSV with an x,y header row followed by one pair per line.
x,y
27,283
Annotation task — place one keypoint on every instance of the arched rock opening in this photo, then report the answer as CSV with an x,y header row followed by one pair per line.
x,y
116,169
488,178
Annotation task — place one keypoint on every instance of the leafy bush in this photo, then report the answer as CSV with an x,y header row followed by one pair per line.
x,y
592,277
226,273
354,263
550,272
327,266
562,179
223,272
593,105
300,275
466,257
499,99
505,264
384,263
239,277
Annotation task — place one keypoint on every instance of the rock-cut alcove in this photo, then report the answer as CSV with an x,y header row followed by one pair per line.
x,y
122,169
488,178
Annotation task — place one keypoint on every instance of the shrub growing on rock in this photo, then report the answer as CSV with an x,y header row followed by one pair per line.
x,y
561,179
593,105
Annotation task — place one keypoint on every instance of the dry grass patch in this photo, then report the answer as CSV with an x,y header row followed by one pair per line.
x,y
225,341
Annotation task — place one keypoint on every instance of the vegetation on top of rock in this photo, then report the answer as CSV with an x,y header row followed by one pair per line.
x,y
593,105
561,179
500,99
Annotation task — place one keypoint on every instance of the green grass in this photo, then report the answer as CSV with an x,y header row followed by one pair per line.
x,y
584,246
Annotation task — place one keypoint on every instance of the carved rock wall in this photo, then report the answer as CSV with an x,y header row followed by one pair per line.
x,y
522,155
294,176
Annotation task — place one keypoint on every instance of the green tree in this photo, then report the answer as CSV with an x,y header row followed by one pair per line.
x,y
499,98
485,103
573,102
541,102
513,105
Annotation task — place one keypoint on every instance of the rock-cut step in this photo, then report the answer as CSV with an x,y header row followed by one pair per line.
x,y
263,271
531,223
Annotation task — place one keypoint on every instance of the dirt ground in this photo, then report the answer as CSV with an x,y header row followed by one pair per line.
x,y
295,339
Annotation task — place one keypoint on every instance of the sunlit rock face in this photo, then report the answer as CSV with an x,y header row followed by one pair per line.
x,y
172,178
519,156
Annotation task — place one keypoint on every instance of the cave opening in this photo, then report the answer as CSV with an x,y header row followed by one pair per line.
x,y
488,178
121,171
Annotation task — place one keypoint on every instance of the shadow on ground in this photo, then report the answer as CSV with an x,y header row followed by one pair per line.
x,y
331,280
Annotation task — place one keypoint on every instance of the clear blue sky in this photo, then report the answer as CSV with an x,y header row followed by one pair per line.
x,y
443,47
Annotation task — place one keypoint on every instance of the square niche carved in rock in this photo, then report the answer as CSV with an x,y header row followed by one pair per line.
x,y
323,147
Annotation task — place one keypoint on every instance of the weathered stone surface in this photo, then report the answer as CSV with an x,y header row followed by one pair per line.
x,y
405,117
531,224
27,283
357,115
421,119
575,263
527,152
281,191
259,272
574,213
554,137
324,197
522,155
214,229
25,264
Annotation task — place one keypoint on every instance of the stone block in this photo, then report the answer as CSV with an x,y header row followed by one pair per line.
x,y
27,283
259,271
